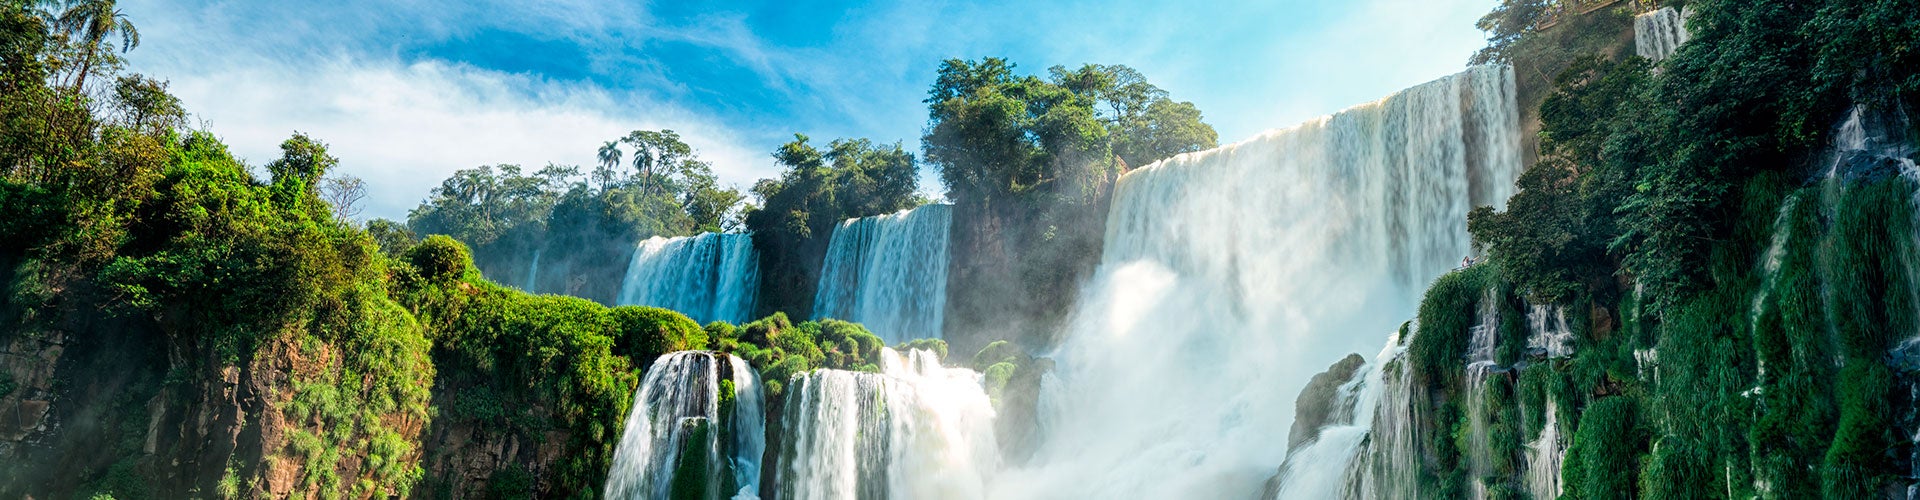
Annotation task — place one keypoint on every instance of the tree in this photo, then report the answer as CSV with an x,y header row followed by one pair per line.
x,y
146,106
819,189
657,154
344,193
1145,124
1027,163
609,156
94,21
303,162
1505,26
393,237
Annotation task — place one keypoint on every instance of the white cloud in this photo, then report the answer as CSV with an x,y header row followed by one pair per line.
x,y
404,128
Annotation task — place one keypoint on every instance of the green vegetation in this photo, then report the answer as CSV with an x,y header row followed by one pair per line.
x,y
592,220
819,189
1028,163
1737,306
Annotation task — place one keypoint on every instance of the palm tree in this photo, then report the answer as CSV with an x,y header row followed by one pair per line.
x,y
93,21
609,163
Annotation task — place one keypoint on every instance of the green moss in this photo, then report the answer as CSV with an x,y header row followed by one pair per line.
x,y
937,346
693,475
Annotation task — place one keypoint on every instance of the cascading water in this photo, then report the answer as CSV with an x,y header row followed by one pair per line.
x,y
682,407
1327,467
533,271
710,277
1547,331
1228,273
889,273
916,430
1545,455
1482,340
749,428
1657,34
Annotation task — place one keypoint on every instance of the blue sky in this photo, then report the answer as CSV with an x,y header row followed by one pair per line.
x,y
406,92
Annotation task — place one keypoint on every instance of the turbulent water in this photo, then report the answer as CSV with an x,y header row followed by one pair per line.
x,y
889,273
1482,341
1548,332
679,409
1658,34
1330,465
710,277
1228,273
1545,454
916,430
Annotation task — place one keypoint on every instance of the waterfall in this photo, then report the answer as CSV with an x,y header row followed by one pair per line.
x,y
1228,274
889,273
533,271
682,407
1769,272
710,277
1544,456
1328,466
1657,34
749,428
1482,341
1547,331
916,430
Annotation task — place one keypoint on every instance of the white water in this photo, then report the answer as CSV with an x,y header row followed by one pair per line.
x,y
749,428
1328,466
1483,339
1547,331
533,271
710,277
916,430
1658,34
1230,274
1545,455
889,273
680,389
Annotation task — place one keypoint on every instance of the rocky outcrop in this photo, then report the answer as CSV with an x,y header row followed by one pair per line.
x,y
1320,400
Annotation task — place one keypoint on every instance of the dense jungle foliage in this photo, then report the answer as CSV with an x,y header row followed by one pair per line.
x,y
210,328
1741,281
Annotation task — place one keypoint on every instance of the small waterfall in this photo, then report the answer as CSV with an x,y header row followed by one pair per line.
x,y
710,277
1328,466
1544,456
681,408
889,273
1657,34
916,430
1547,331
1227,275
749,428
1482,341
1770,261
533,272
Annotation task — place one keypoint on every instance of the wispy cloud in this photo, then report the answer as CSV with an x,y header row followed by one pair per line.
x,y
404,128
408,91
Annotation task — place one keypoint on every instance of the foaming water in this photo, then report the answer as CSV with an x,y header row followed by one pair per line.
x,y
679,410
710,277
889,273
1329,467
1482,341
1657,34
916,430
1229,274
1548,332
1545,455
